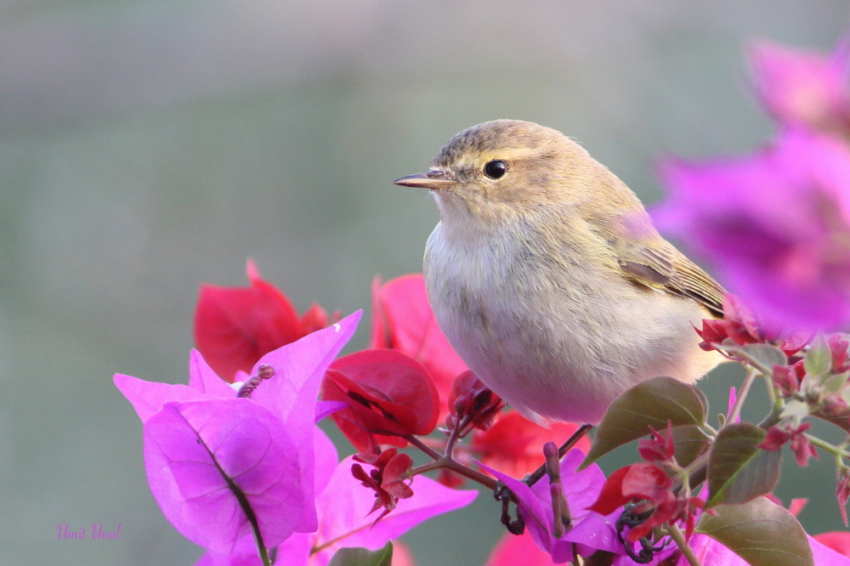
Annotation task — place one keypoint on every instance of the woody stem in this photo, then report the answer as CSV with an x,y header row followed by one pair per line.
x,y
458,468
433,454
677,536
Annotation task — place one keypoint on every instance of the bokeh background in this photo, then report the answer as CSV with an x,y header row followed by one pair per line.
x,y
149,146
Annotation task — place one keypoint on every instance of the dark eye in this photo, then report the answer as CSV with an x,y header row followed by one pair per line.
x,y
495,169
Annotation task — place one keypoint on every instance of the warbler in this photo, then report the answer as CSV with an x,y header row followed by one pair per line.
x,y
548,278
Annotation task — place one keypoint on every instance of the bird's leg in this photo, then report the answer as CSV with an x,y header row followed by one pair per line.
x,y
504,495
535,476
631,518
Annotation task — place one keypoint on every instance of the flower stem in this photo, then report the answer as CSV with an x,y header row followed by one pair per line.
x,y
261,549
824,445
458,468
455,435
683,545
433,454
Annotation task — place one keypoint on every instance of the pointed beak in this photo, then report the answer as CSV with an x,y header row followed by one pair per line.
x,y
435,180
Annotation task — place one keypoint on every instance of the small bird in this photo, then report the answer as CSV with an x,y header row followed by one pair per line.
x,y
548,278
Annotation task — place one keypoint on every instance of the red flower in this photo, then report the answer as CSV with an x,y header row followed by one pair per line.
x,y
741,326
471,401
713,332
657,447
777,435
514,445
788,378
235,326
842,492
650,486
402,320
388,478
838,350
833,407
388,395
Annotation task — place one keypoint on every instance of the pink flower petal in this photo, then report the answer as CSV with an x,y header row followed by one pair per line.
x,y
775,225
204,379
148,397
590,531
202,457
344,512
292,394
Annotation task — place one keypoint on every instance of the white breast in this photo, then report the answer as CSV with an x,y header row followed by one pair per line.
x,y
552,346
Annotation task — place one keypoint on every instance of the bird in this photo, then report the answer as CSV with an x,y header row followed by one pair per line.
x,y
548,278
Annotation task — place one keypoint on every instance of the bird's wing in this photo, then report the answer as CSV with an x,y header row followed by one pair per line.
x,y
666,268
648,259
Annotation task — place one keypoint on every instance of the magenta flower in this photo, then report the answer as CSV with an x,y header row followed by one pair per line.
x,y
219,462
800,88
775,225
345,520
590,531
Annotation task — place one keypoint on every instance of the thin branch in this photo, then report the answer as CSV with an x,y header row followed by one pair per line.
x,y
458,468
433,454
824,445
683,545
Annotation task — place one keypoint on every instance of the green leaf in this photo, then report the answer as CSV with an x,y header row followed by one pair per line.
x,y
765,354
689,441
363,556
818,360
737,470
760,532
834,382
650,403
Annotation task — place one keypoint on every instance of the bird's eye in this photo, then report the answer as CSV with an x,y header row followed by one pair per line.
x,y
495,169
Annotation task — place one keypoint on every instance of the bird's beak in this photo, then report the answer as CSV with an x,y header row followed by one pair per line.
x,y
434,179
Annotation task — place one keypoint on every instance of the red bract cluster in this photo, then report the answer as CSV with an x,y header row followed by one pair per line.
x,y
235,326
838,354
388,478
788,378
842,492
657,447
402,320
778,435
471,405
814,379
741,326
389,395
648,486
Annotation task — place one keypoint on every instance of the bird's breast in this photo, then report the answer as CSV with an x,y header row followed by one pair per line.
x,y
548,334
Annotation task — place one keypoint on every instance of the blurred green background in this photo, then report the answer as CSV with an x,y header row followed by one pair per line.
x,y
149,146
